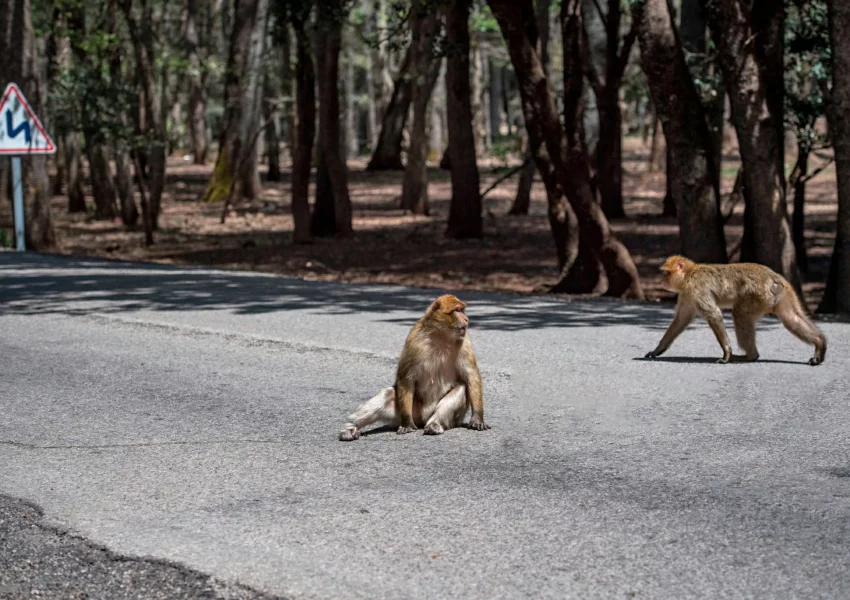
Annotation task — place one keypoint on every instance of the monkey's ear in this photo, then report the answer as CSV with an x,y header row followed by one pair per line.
x,y
680,264
432,308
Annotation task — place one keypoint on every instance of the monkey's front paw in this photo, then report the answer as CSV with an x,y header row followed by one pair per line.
x,y
433,429
815,360
478,424
406,429
653,354
348,435
724,360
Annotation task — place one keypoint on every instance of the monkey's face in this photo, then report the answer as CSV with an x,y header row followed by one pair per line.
x,y
674,274
447,312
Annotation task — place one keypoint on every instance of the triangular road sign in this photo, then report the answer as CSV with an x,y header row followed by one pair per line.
x,y
20,130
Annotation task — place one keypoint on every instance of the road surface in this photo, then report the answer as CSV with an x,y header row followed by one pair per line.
x,y
189,417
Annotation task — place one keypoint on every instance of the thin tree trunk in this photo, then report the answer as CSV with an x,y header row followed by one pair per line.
x,y
694,183
749,44
252,105
305,135
387,153
414,192
570,164
352,145
102,184
141,34
73,160
522,201
332,210
197,82
229,156
271,91
797,180
465,210
836,297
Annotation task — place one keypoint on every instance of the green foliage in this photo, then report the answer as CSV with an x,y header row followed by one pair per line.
x,y
807,68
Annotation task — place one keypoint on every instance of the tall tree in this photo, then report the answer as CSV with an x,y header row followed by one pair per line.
x,y
18,63
516,20
230,151
522,200
387,153
748,36
142,37
837,295
196,40
465,210
332,209
691,169
252,104
305,102
606,87
425,27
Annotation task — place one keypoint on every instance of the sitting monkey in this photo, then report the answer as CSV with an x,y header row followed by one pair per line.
x,y
437,379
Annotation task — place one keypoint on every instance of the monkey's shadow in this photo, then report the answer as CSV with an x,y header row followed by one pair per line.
x,y
707,360
390,429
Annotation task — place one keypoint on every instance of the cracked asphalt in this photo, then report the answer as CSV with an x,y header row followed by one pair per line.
x,y
171,432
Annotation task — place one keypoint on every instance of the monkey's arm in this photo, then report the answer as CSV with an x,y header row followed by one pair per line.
x,y
714,316
404,406
685,312
475,394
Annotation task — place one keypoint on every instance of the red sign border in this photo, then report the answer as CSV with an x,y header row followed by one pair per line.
x,y
51,147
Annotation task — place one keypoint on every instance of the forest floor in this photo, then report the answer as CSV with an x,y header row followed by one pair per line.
x,y
516,254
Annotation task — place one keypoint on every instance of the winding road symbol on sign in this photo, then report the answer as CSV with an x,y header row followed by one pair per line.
x,y
20,130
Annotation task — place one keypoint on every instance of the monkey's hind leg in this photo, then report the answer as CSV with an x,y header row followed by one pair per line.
x,y
795,321
380,408
450,410
745,319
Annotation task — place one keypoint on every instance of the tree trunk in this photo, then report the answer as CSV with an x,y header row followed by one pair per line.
x,y
252,105
271,91
102,184
305,134
229,152
197,74
569,163
609,152
352,143
74,169
691,171
414,191
387,153
465,210
837,295
142,36
522,201
797,180
332,210
749,47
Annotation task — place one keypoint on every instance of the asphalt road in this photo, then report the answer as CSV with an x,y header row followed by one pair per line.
x,y
190,417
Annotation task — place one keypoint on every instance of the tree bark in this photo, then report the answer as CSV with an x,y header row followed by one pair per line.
x,y
271,91
465,210
197,72
387,153
797,180
569,163
425,69
229,153
332,209
142,36
837,294
252,105
305,134
522,200
691,171
749,44
74,169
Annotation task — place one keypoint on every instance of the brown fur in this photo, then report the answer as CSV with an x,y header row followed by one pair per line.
x,y
750,290
437,379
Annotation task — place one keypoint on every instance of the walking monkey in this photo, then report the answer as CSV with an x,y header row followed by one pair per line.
x,y
750,290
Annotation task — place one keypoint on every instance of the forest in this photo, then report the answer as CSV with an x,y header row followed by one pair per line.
x,y
548,146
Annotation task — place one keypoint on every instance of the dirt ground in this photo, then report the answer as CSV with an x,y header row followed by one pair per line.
x,y
516,253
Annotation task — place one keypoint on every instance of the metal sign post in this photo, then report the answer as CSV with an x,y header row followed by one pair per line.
x,y
20,133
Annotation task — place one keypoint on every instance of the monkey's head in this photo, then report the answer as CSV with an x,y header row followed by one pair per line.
x,y
675,268
446,314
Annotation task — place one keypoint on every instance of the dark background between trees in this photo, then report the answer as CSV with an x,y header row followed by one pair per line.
x,y
326,99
